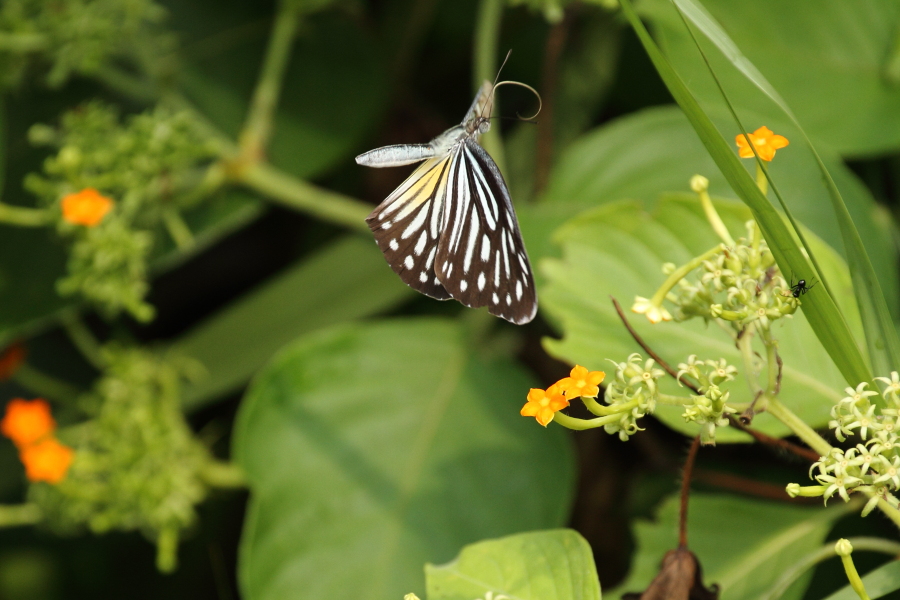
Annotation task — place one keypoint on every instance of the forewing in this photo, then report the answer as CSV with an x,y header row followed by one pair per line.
x,y
481,259
407,226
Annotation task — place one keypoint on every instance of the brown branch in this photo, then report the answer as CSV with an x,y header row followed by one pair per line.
x,y
750,487
686,491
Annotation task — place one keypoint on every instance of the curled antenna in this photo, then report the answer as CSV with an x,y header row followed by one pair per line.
x,y
526,86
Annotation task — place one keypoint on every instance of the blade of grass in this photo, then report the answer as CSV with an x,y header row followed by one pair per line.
x,y
823,315
881,337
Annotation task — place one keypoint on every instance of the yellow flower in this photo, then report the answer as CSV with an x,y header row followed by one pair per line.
x,y
765,142
86,207
27,422
47,461
542,404
581,383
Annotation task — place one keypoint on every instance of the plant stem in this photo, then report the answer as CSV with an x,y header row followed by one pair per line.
x,y
798,426
178,230
670,400
680,273
299,195
487,40
23,42
712,215
258,127
24,217
761,182
223,474
745,346
44,385
19,514
83,339
582,424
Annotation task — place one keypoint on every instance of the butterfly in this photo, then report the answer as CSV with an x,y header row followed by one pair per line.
x,y
450,229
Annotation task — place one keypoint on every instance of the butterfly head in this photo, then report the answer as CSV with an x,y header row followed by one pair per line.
x,y
479,125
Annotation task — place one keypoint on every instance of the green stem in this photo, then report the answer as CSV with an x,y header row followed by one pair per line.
x,y
222,474
20,514
889,511
771,362
167,549
44,385
178,230
799,427
670,400
745,346
714,219
83,339
792,573
23,42
892,64
682,272
299,195
851,572
258,127
582,424
24,217
487,41
761,182
596,408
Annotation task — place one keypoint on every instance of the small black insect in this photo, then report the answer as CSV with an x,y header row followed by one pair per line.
x,y
800,288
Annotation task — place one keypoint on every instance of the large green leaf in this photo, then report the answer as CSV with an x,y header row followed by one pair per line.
x,y
373,449
540,565
345,281
618,250
827,60
771,536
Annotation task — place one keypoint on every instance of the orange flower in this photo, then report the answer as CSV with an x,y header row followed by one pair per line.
x,y
765,142
543,404
86,207
47,461
581,382
10,360
27,422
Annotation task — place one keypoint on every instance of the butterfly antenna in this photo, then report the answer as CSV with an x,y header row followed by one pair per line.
x,y
527,87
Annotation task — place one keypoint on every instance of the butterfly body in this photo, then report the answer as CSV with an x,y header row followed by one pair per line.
x,y
450,230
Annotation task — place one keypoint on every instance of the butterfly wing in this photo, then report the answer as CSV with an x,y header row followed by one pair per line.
x,y
481,258
483,105
407,226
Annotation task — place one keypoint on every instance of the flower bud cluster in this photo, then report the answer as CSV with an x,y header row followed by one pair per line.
x,y
149,166
634,387
137,463
78,37
709,410
873,464
740,284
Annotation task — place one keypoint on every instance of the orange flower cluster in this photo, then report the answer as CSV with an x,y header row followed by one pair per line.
x,y
87,207
544,404
30,426
764,140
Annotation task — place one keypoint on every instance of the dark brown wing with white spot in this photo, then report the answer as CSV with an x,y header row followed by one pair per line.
x,y
407,226
481,259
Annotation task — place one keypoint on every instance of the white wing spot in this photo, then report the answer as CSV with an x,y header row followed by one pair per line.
x,y
473,239
497,270
449,269
437,281
415,225
495,298
481,281
523,263
508,299
463,285
408,262
430,257
387,224
423,277
394,245
420,245
485,248
518,290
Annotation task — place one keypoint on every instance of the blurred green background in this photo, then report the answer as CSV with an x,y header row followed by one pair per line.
x,y
381,428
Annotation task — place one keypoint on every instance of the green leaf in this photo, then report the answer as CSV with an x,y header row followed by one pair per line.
x,y
540,565
372,449
819,307
878,583
881,336
618,250
824,59
345,281
771,534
